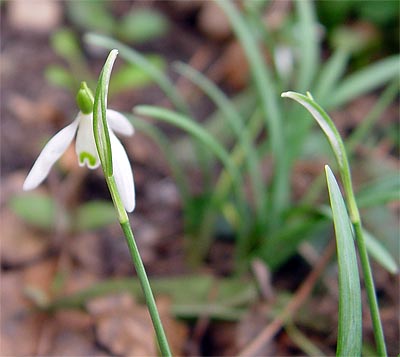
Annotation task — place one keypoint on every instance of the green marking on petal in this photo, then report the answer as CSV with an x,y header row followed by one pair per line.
x,y
89,157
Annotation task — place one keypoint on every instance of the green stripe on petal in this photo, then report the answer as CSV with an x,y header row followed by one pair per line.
x,y
89,158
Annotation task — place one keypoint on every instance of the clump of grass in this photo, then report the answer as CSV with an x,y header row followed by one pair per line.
x,y
268,223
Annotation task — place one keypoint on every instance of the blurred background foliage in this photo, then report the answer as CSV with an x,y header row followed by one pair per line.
x,y
235,188
313,48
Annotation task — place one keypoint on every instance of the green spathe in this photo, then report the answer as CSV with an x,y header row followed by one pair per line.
x,y
85,99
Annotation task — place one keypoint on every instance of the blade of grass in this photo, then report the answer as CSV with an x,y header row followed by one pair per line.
x,y
330,74
236,122
244,103
132,56
166,147
333,136
189,295
308,48
386,98
283,244
224,183
350,317
308,45
365,80
375,248
359,134
380,191
335,141
198,132
302,341
380,253
271,110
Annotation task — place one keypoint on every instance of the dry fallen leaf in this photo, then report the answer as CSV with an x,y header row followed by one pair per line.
x,y
78,279
232,67
124,327
19,244
38,16
20,329
38,280
86,250
33,112
69,333
11,185
249,328
213,21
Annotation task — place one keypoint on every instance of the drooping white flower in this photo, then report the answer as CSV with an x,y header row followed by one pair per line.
x,y
86,151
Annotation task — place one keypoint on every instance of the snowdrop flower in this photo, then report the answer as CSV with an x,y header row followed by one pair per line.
x,y
85,148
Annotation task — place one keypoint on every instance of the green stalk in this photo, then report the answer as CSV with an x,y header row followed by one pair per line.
x,y
102,139
370,288
336,142
140,270
386,98
365,264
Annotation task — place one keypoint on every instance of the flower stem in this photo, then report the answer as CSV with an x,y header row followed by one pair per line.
x,y
140,270
148,294
103,145
370,289
364,260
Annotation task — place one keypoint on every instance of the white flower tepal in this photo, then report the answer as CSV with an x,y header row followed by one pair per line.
x,y
86,151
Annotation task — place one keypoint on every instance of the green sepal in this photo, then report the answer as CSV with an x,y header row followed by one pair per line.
x,y
85,99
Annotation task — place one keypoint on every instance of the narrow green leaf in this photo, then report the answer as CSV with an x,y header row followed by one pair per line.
x,y
381,191
331,72
375,248
350,316
91,15
59,76
94,215
236,122
132,56
386,98
244,103
336,142
269,104
35,209
308,44
132,76
283,244
198,132
380,253
365,80
141,25
189,295
65,43
165,146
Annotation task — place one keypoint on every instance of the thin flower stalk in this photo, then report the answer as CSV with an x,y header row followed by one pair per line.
x,y
104,143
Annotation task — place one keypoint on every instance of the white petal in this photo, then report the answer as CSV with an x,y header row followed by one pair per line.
x,y
52,151
119,123
85,145
123,173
